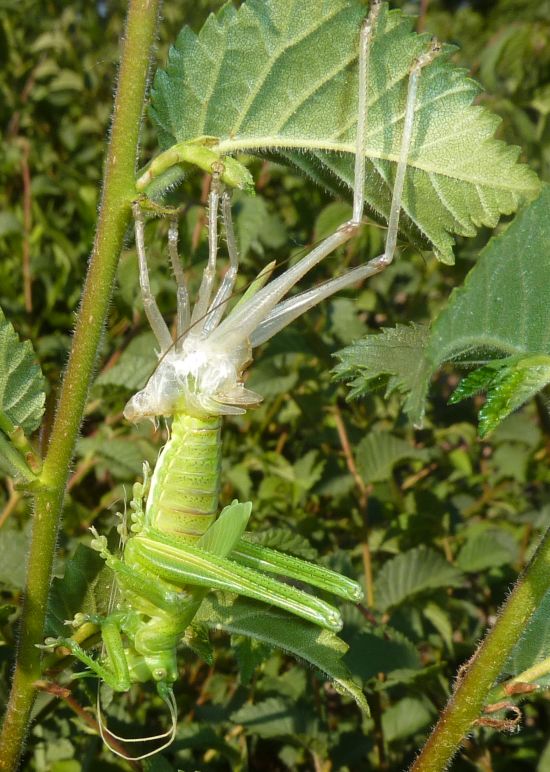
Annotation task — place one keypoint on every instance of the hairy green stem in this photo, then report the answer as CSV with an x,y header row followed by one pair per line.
x,y
474,686
118,192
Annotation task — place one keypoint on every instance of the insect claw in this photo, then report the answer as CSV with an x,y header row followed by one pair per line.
x,y
78,620
99,543
49,644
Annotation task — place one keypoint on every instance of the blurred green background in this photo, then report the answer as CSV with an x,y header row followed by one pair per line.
x,y
353,479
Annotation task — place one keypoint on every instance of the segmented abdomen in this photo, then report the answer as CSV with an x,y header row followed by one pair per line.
x,y
183,498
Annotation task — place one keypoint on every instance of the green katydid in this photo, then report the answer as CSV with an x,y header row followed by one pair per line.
x,y
180,548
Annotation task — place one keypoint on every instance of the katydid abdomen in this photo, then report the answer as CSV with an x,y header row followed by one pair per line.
x,y
183,498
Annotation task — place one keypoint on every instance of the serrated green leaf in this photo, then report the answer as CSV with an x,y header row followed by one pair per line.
x,y
13,551
279,77
509,383
412,572
488,549
379,452
198,639
250,654
395,356
319,648
21,381
501,309
123,456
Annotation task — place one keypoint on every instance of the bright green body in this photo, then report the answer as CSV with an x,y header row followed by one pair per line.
x,y
179,550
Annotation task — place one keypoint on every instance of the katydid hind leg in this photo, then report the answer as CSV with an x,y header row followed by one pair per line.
x,y
262,558
187,565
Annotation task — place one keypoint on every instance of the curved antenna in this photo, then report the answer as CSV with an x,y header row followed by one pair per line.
x,y
167,696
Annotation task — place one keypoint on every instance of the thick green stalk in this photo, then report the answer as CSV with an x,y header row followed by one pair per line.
x,y
475,684
118,191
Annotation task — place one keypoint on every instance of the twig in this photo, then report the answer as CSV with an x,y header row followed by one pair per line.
x,y
62,693
12,502
421,23
27,225
364,492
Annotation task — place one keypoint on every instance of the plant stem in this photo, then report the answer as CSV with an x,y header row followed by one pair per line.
x,y
475,684
114,215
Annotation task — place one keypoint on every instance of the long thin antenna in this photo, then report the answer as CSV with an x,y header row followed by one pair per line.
x,y
168,698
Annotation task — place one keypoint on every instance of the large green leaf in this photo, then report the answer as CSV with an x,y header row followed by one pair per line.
x,y
502,308
21,382
412,572
279,77
320,648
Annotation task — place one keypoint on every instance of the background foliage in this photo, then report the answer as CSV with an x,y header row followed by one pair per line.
x,y
440,521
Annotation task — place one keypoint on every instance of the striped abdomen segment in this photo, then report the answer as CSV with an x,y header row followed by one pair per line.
x,y
183,498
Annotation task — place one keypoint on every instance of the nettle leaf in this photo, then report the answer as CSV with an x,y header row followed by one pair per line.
x,y
279,78
412,572
502,310
122,457
379,452
509,384
320,648
533,649
396,358
487,549
14,545
21,381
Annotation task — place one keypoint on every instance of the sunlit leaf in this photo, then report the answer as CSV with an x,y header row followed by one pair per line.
x,y
502,307
488,549
280,78
405,718
273,717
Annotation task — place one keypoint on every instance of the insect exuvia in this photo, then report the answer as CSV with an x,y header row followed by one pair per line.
x,y
180,548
